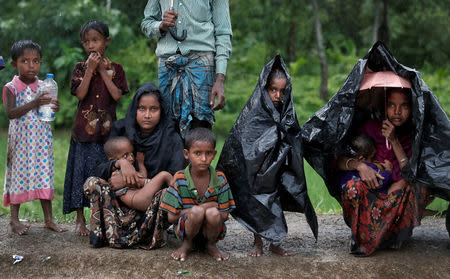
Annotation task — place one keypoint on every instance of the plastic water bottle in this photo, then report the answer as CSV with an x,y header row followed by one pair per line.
x,y
49,85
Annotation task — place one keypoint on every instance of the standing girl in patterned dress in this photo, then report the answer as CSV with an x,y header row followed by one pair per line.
x,y
98,84
29,162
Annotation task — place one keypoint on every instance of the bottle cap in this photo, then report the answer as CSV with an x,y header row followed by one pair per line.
x,y
50,75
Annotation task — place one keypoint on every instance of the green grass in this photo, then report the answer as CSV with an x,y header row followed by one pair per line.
x,y
320,198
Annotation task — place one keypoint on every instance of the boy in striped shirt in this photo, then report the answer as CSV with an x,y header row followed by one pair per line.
x,y
199,198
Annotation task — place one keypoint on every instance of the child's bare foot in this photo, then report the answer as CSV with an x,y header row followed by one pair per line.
x,y
257,247
19,228
181,253
81,229
54,227
280,251
216,253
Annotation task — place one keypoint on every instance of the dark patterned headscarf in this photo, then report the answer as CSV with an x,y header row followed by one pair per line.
x,y
163,148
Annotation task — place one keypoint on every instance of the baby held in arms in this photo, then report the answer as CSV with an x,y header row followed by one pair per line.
x,y
137,196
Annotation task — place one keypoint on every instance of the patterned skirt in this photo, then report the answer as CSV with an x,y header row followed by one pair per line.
x,y
114,224
380,220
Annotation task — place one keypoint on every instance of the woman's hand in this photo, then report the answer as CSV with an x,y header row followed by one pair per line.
x,y
369,176
116,181
129,174
388,131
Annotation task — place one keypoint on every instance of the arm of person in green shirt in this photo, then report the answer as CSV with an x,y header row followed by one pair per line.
x,y
223,34
150,25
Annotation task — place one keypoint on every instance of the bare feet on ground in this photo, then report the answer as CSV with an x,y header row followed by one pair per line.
x,y
181,253
19,228
216,253
81,229
257,248
54,227
280,251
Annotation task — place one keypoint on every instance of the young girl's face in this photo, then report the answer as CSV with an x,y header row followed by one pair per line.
x,y
398,108
28,65
276,90
148,113
93,41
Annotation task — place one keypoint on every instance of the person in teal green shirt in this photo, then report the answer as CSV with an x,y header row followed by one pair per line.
x,y
192,71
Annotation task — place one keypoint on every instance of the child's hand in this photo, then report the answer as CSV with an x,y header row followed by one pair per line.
x,y
93,60
209,204
103,64
116,181
129,174
55,105
387,165
42,99
140,157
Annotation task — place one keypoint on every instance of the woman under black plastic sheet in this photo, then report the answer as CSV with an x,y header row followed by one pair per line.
x,y
262,160
326,133
112,222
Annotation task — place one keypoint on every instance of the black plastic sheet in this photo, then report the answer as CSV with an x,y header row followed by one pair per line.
x,y
262,160
325,133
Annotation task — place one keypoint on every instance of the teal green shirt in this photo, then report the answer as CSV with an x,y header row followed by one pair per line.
x,y
207,23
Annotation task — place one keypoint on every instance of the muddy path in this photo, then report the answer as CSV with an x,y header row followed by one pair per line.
x,y
427,255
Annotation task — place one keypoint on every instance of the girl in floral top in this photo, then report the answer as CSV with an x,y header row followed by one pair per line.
x,y
98,84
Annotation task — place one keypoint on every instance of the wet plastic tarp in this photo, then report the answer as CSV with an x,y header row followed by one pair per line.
x,y
262,160
325,133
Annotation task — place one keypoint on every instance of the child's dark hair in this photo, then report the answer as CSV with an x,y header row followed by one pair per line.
x,y
363,145
276,73
96,25
19,48
405,91
199,134
110,146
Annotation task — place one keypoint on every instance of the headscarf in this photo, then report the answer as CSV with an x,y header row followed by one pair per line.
x,y
263,162
163,148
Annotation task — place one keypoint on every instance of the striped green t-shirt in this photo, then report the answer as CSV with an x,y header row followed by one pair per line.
x,y
182,193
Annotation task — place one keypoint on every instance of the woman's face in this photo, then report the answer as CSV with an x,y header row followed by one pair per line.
x,y
398,108
148,113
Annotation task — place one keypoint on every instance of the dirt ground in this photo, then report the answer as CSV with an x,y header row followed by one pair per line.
x,y
427,255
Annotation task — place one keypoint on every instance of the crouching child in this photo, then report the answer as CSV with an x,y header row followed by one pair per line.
x,y
199,199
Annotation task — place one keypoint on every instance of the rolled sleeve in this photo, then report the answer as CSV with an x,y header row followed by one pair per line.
x,y
152,20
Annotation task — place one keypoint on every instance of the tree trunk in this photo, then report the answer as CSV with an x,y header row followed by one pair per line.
x,y
376,21
292,40
321,53
383,30
292,30
108,5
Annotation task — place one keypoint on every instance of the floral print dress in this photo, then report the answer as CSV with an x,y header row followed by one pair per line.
x,y
29,163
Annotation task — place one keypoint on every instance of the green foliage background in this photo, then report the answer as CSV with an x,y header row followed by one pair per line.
x,y
419,38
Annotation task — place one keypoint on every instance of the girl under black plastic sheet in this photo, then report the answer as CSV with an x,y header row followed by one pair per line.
x,y
262,160
327,132
112,222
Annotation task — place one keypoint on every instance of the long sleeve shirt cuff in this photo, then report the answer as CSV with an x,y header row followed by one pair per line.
x,y
221,66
